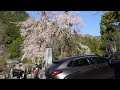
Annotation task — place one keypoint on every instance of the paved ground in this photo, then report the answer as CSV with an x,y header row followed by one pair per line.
x,y
28,77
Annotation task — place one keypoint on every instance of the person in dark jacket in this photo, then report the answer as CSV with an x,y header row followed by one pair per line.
x,y
20,74
25,74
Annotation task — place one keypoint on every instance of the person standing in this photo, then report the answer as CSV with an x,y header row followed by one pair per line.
x,y
25,74
36,73
42,73
11,73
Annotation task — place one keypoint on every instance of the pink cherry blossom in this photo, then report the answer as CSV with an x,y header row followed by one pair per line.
x,y
40,34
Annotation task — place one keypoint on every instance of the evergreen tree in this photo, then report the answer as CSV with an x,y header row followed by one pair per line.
x,y
11,37
110,31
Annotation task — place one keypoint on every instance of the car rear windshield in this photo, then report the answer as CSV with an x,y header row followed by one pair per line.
x,y
54,65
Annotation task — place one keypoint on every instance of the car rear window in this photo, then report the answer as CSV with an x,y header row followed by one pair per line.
x,y
70,64
54,65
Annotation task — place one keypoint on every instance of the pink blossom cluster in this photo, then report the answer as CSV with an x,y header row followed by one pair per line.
x,y
39,35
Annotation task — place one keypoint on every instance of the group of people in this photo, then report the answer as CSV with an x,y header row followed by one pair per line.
x,y
37,72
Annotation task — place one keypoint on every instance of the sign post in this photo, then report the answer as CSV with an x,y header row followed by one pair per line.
x,y
48,57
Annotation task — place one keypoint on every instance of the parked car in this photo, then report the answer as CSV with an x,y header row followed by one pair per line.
x,y
82,67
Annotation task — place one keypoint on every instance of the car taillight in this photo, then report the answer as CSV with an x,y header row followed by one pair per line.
x,y
56,73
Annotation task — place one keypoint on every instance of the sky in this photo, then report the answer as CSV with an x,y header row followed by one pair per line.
x,y
91,21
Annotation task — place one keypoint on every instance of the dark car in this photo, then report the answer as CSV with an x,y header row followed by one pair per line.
x,y
81,67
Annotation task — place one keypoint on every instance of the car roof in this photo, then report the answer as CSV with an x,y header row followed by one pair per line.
x,y
92,56
74,57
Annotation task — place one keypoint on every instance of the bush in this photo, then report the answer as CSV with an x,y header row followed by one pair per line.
x,y
118,57
25,61
3,61
14,48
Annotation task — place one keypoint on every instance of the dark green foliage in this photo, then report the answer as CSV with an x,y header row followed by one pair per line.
x,y
109,31
14,48
11,33
13,16
3,60
1,33
11,37
92,43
